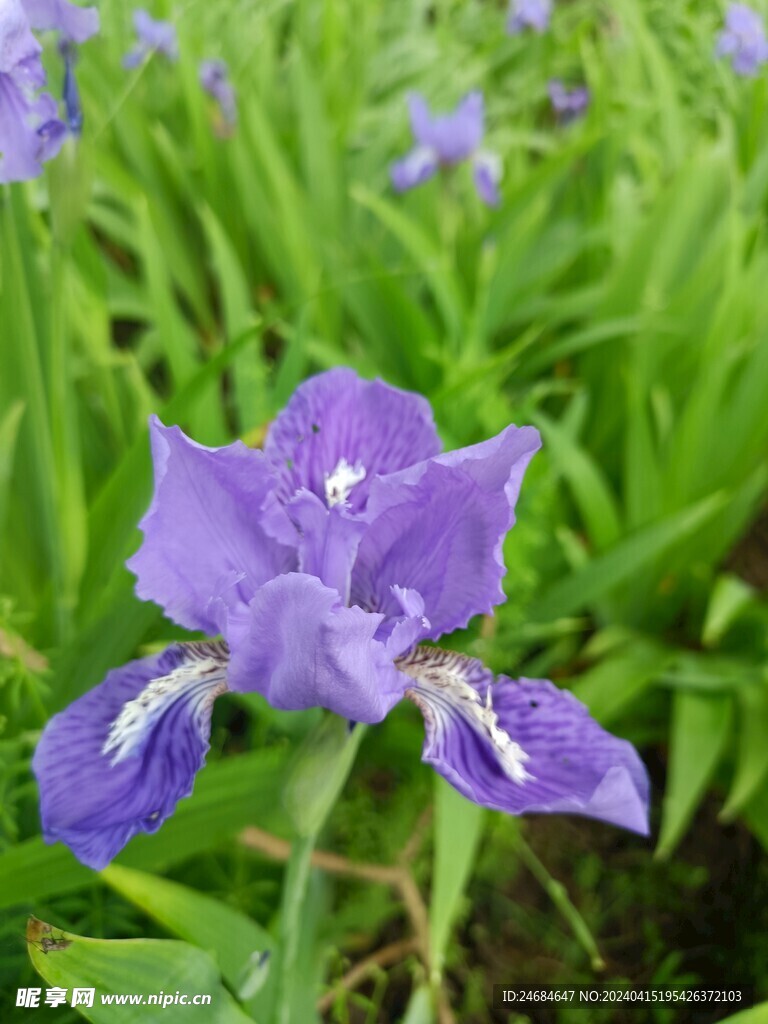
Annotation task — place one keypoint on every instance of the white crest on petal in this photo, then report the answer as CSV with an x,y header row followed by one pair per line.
x,y
199,678
444,684
340,482
491,164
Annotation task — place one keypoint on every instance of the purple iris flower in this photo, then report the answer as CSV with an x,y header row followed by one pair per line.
x,y
76,24
214,79
325,561
743,40
153,37
568,104
30,130
446,140
533,14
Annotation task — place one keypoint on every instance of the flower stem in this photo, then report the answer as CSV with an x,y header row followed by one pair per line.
x,y
318,777
294,895
559,896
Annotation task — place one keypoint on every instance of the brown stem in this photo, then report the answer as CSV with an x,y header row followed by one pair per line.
x,y
15,647
394,953
280,849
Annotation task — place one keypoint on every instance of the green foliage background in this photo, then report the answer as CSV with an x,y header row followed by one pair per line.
x,y
616,300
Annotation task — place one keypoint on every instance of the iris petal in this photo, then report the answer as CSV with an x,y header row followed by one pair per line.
x,y
202,526
75,23
438,528
487,175
523,746
414,169
17,43
117,760
337,420
451,137
301,648
327,541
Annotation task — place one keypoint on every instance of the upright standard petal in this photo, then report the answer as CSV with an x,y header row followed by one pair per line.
x,y
301,648
438,528
440,536
153,37
452,137
157,35
339,431
74,23
203,529
523,746
118,759
17,43
327,541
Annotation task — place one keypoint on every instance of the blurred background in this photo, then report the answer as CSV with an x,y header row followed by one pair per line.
x,y
616,298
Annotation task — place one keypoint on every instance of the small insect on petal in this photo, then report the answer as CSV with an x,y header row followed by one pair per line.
x,y
40,934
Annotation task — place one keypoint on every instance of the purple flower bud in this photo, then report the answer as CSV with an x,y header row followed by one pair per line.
x,y
214,79
743,40
153,37
70,91
568,104
533,14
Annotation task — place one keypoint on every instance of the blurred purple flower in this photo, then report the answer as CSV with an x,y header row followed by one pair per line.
x,y
153,37
214,78
70,93
30,130
76,24
743,40
533,14
446,140
324,560
568,104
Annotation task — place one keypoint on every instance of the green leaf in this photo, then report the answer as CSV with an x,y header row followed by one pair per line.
x,y
617,681
591,491
755,1015
458,826
226,933
618,565
701,725
752,748
730,596
9,432
428,257
138,967
228,796
420,1007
